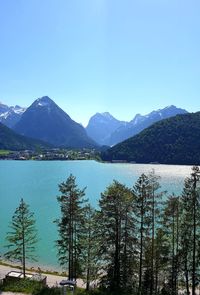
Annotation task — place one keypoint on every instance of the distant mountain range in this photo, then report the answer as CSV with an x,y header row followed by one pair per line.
x,y
101,126
9,116
107,130
46,121
9,140
174,140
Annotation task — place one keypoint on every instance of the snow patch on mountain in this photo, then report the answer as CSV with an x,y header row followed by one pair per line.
x,y
10,115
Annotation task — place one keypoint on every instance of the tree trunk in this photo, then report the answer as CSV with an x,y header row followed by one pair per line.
x,y
152,246
70,253
173,254
187,278
177,247
116,281
141,249
23,252
124,263
194,240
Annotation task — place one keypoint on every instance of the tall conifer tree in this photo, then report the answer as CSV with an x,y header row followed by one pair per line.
x,y
90,245
155,203
141,209
191,224
118,242
70,226
22,236
170,226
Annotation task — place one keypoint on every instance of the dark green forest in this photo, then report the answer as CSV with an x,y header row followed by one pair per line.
x,y
9,140
171,141
141,240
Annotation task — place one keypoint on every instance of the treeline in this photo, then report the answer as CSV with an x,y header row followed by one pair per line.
x,y
139,241
175,140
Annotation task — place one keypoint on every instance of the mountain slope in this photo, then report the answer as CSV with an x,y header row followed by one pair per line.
x,y
171,141
44,120
9,140
101,126
140,122
9,116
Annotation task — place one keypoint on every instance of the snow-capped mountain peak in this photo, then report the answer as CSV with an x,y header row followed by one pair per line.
x,y
9,116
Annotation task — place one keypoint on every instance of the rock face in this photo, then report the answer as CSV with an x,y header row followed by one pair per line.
x,y
9,140
46,121
140,122
101,126
9,116
107,130
175,140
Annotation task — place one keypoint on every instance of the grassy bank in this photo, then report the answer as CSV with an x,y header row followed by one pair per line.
x,y
4,152
35,288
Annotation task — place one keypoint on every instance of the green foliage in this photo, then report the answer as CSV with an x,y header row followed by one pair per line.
x,y
133,244
190,228
22,236
90,247
22,285
117,231
48,291
9,140
70,226
78,291
171,141
4,152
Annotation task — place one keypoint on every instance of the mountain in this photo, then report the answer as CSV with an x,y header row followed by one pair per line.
x,y
174,140
9,116
101,126
46,121
140,122
9,140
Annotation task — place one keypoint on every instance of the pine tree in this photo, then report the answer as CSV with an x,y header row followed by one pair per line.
x,y
70,226
90,245
141,210
117,231
185,250
190,224
161,259
22,236
170,225
155,203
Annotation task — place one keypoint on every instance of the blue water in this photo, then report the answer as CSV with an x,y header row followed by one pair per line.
x,y
37,182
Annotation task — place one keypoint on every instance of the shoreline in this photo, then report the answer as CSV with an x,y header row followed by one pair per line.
x,y
53,278
33,268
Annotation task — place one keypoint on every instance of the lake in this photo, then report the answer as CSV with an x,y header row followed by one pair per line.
x,y
37,182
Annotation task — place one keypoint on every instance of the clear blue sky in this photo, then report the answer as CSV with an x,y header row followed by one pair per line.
x,y
125,57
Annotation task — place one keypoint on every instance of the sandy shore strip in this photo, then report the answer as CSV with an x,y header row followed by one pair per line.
x,y
52,280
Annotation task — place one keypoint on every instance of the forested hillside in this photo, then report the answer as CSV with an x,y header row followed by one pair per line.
x,y
10,140
171,141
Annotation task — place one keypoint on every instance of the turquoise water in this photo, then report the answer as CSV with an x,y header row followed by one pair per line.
x,y
37,182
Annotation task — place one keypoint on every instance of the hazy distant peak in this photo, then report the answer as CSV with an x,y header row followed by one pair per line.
x,y
137,116
107,115
101,125
170,107
136,119
104,117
